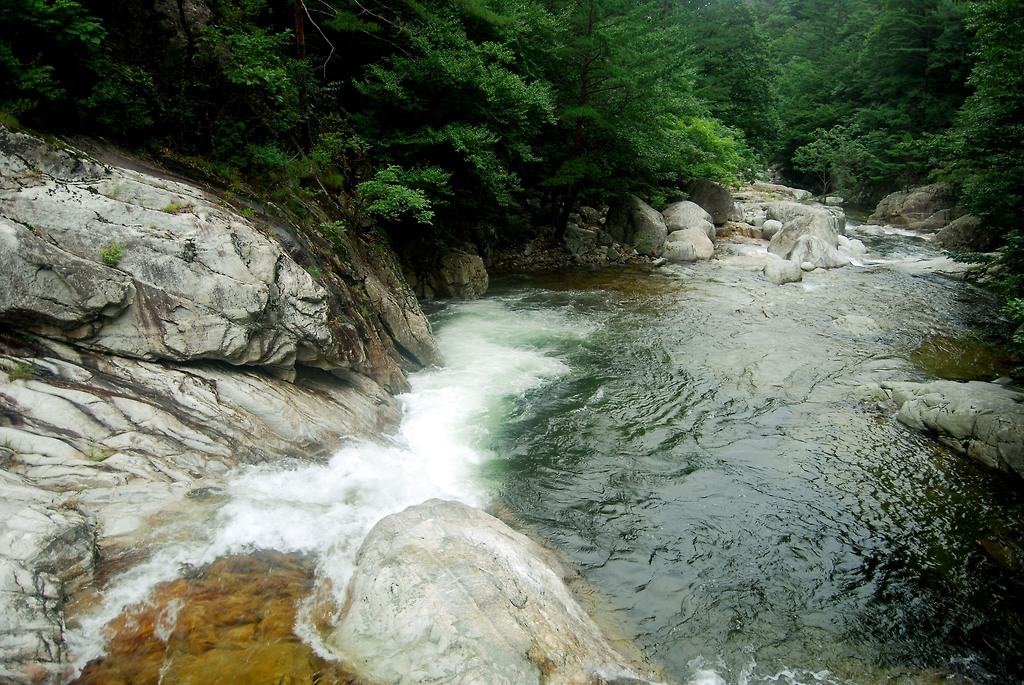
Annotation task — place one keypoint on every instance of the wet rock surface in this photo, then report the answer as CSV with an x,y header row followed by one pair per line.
x,y
232,621
982,420
152,339
445,593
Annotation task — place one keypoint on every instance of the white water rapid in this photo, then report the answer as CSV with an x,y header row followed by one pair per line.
x,y
327,509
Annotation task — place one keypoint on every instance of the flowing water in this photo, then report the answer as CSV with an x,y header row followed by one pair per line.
x,y
705,446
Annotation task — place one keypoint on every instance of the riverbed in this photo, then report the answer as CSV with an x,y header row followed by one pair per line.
x,y
706,447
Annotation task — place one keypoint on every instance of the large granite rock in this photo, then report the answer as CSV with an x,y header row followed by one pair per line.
x,y
983,420
459,274
715,199
634,222
680,216
703,248
151,339
48,548
928,208
782,271
153,268
967,234
444,593
801,222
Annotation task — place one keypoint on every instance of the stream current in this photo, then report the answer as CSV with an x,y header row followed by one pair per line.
x,y
700,443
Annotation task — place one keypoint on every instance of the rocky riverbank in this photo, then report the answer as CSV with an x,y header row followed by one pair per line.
x,y
155,335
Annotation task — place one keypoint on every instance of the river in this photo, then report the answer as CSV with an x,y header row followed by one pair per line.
x,y
704,446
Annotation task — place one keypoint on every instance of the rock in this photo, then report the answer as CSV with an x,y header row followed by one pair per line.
x,y
967,234
801,222
114,405
810,249
46,548
928,208
985,421
679,253
153,268
580,241
444,593
715,199
591,215
781,271
851,246
770,227
647,228
462,275
834,201
682,215
702,246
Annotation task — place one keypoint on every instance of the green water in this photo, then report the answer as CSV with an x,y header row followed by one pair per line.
x,y
713,463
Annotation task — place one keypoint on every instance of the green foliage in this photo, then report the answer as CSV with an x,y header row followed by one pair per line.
x,y
394,191
49,50
112,253
20,371
835,157
985,152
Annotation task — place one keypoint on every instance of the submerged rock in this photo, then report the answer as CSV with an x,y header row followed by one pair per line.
x,y
445,593
982,420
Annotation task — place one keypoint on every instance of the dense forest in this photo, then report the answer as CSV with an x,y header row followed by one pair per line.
x,y
417,117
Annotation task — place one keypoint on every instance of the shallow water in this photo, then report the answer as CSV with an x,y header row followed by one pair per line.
x,y
700,442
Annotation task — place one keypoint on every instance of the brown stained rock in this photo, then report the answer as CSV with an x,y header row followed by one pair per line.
x,y
229,622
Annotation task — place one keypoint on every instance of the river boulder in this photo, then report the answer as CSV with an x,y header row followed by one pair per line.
x,y
927,208
679,252
982,420
810,249
683,215
782,271
967,234
445,593
703,248
769,227
800,223
715,199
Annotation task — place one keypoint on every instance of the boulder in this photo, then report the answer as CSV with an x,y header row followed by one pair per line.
x,y
769,227
810,249
715,199
799,224
702,245
682,215
647,228
985,421
678,253
444,593
462,275
967,234
580,241
152,268
781,271
928,208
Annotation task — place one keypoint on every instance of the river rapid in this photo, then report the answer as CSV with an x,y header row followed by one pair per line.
x,y
704,445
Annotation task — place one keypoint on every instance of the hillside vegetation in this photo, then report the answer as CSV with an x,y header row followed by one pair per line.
x,y
418,117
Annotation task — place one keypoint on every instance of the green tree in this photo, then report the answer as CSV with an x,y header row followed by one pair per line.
x,y
49,53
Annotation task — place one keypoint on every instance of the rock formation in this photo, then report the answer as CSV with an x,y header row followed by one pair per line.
x,y
445,593
982,420
152,338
